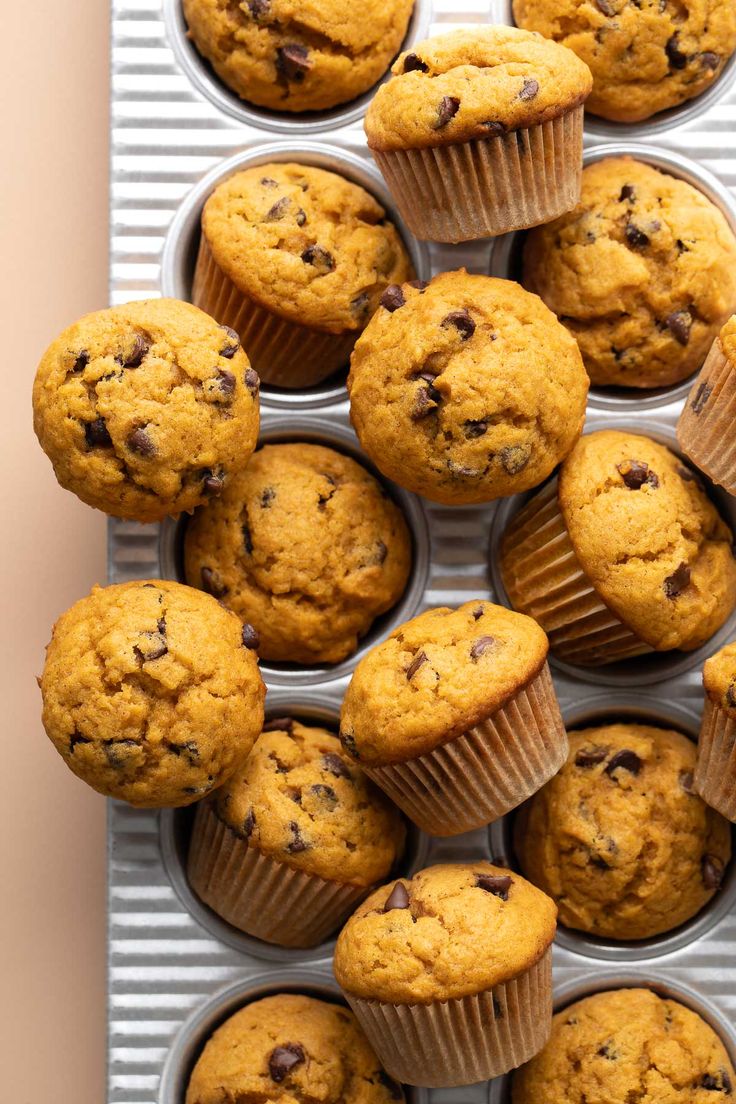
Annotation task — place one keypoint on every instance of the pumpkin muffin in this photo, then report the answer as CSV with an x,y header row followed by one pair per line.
x,y
298,836
705,427
619,839
449,973
147,409
290,1047
307,547
295,259
455,716
642,273
151,692
627,1044
479,131
623,554
645,57
715,773
466,390
296,57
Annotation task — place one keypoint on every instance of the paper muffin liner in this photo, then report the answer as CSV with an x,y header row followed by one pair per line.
x,y
715,768
705,429
283,353
259,895
488,186
544,579
484,773
459,1042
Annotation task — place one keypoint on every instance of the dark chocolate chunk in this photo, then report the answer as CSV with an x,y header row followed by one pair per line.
x,y
635,236
446,111
134,358
424,403
413,63
251,639
462,322
212,583
283,1059
701,397
420,285
475,429
628,193
278,211
293,62
318,257
514,458
675,56
232,345
226,383
529,90
419,659
141,443
477,613
81,361
497,884
624,760
635,473
590,757
710,60
711,869
481,646
96,434
721,1083
333,764
297,842
392,298
398,898
252,381
279,724
211,483
679,323
677,582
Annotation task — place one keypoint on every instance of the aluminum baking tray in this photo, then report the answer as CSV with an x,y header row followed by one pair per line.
x,y
175,969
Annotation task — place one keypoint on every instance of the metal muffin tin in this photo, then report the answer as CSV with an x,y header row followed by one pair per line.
x,y
176,970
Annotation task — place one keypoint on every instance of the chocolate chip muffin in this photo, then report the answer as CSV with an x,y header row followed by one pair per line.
x,y
715,773
151,692
619,838
287,848
646,56
449,972
627,1044
480,131
623,554
295,259
705,427
307,547
289,1047
295,57
455,716
642,273
146,409
466,390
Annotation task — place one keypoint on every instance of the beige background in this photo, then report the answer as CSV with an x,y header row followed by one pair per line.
x,y
54,67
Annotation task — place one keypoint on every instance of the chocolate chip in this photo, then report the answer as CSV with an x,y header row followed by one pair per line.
x,y
628,192
497,884
419,659
279,724
730,696
481,646
674,584
252,381
226,383
248,824
247,539
624,760
679,323
283,1059
231,347
297,842
134,359
380,554
325,794
398,898
606,7
688,475
360,304
462,322
675,56
250,637
590,757
301,217
212,583
293,62
116,751
599,862
711,869
529,90
686,782
701,397
447,110
318,257
413,63
635,473
477,613
394,1088
211,483
424,403
392,298
141,443
96,434
259,8
709,60
635,236
154,647
278,211
81,361
493,128
607,1051
348,742
268,182
333,764
514,458
420,285
77,738
473,429
268,494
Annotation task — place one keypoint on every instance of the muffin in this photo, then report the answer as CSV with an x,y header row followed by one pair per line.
x,y
623,554
307,547
295,259
627,1044
619,839
449,973
642,273
151,692
705,428
298,836
645,57
146,409
455,716
715,772
295,57
480,131
466,390
289,1047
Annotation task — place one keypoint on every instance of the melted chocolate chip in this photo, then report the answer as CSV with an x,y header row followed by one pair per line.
x,y
134,358
462,322
212,583
96,434
212,484
283,1059
293,62
674,584
635,473
249,824
226,383
635,236
297,843
141,443
628,193
481,646
675,56
252,381
590,757
473,430
497,884
701,397
318,257
529,90
419,659
250,637
81,361
153,647
514,458
679,324
278,211
425,401
413,63
333,764
446,111
392,298
624,760
711,869
710,60
398,898
279,724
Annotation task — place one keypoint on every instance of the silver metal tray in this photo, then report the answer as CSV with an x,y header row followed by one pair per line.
x,y
175,969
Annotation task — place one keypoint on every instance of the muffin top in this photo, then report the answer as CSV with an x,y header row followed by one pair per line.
x,y
727,338
719,678
298,799
619,838
448,932
307,547
293,56
307,244
474,83
146,409
290,1048
467,389
435,677
644,56
151,692
627,1044
651,542
642,272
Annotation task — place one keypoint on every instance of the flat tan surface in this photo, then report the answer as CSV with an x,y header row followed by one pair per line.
x,y
54,67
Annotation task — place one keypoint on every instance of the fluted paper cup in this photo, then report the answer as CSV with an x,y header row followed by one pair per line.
x,y
487,771
715,768
259,895
488,186
460,1042
706,426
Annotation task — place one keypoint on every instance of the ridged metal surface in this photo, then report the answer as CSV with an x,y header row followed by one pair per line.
x,y
165,965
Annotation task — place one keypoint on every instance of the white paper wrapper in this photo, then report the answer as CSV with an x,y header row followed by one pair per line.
x,y
715,769
706,426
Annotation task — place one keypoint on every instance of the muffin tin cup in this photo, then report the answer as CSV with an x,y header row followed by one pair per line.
x,y
705,429
488,770
465,1040
715,772
488,186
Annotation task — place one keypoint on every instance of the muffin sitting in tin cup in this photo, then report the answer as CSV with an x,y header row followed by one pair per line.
x,y
715,773
705,428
